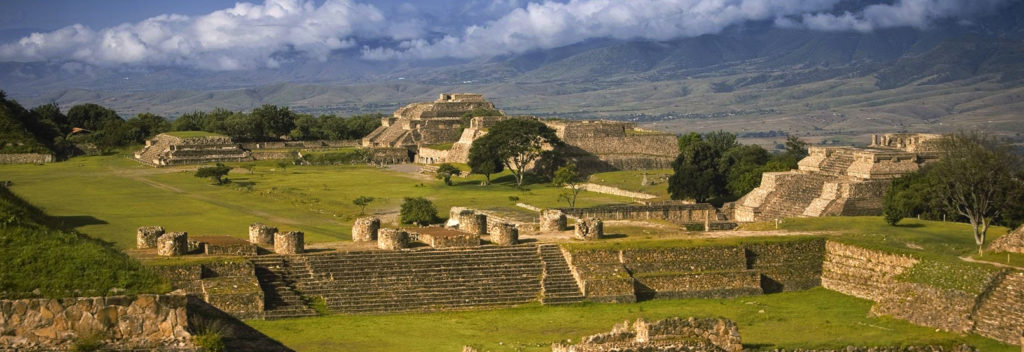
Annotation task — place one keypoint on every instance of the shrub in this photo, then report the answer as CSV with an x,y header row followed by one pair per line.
x,y
210,342
418,210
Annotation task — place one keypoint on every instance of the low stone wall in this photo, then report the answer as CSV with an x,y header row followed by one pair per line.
x,y
696,259
699,285
593,187
389,155
142,322
861,272
675,212
231,286
1011,242
787,266
26,158
921,304
601,276
431,156
672,334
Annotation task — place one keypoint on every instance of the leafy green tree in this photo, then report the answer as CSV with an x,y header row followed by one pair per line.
x,y
362,202
192,121
216,173
696,174
446,171
980,179
276,121
743,165
913,194
720,141
687,139
520,142
91,116
484,159
418,210
568,177
796,147
283,165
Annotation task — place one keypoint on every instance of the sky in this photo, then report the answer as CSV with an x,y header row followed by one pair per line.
x,y
228,35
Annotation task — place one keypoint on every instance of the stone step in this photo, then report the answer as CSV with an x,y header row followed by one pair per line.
x,y
440,289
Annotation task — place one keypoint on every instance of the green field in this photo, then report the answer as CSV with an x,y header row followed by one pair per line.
x,y
109,197
631,180
817,318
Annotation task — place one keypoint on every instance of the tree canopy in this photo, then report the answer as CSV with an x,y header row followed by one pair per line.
x,y
484,158
216,173
520,142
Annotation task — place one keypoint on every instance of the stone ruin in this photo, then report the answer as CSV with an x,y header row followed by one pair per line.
x,y
589,229
472,222
365,229
261,234
172,244
1012,242
291,242
553,220
392,239
672,334
165,150
146,236
835,181
440,237
225,245
503,234
426,123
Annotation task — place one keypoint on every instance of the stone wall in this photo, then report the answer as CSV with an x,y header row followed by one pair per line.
x,y
26,158
679,213
787,266
142,322
657,145
231,286
860,272
601,276
698,284
431,156
921,304
389,155
593,187
672,334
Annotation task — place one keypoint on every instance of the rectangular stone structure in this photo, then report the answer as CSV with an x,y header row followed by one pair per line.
x,y
146,236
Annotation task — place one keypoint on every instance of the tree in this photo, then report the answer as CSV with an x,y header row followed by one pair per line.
x,y
283,165
687,139
742,165
796,147
362,202
978,179
216,172
419,210
484,159
914,194
568,177
696,174
519,142
276,121
446,171
91,116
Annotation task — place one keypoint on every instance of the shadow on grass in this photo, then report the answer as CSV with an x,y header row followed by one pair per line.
x,y
236,335
75,221
614,235
909,226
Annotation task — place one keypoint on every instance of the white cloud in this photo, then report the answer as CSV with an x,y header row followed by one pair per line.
x,y
903,13
551,24
244,36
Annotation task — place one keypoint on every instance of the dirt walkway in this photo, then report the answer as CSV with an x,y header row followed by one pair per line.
x,y
1001,265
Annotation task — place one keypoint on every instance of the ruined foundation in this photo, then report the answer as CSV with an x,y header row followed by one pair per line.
x,y
261,234
291,242
392,239
504,234
553,221
365,229
471,222
147,235
172,244
589,229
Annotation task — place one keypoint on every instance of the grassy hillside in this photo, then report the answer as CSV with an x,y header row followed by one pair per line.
x,y
15,136
39,258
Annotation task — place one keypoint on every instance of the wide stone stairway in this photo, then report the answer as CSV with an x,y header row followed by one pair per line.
x,y
1001,314
277,278
419,280
560,286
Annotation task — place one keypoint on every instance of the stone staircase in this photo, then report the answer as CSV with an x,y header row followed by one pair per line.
x,y
831,191
793,197
421,280
559,286
837,163
390,136
1000,315
277,276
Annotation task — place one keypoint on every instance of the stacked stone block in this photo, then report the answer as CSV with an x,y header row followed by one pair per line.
x,y
589,229
553,221
470,221
261,234
291,242
504,234
172,244
392,239
147,235
365,229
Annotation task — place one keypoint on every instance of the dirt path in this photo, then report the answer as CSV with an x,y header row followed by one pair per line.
x,y
1001,265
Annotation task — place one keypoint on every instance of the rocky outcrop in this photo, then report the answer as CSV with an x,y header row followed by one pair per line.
x,y
672,334
142,322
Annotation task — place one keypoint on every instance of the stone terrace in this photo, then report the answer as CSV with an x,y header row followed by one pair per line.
x,y
165,149
411,280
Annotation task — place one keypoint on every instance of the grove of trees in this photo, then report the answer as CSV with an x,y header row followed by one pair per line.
x,y
977,180
514,143
715,168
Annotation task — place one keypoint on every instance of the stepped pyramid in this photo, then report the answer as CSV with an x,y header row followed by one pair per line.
x,y
426,123
834,181
167,149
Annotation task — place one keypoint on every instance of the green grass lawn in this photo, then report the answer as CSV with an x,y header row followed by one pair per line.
x,y
109,197
817,318
631,180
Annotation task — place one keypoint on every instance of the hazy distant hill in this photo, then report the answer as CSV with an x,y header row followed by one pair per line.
x,y
749,79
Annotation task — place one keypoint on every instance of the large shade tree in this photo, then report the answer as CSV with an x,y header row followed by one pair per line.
x,y
978,178
520,142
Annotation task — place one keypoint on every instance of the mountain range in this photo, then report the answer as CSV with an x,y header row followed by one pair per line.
x,y
756,79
